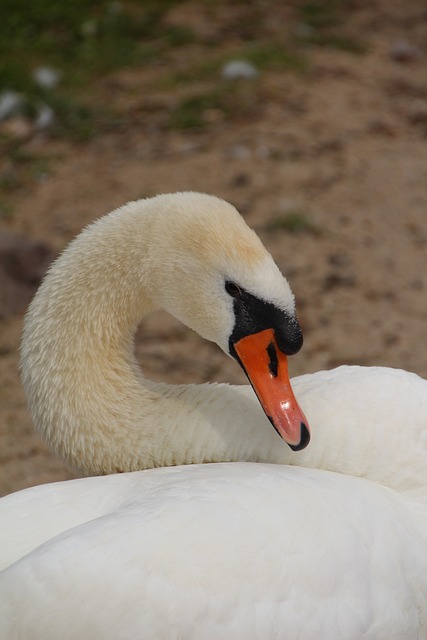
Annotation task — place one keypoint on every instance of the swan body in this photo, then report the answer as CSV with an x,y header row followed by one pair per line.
x,y
331,543
230,550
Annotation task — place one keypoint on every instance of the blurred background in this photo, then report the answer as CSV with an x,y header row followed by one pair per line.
x,y
310,117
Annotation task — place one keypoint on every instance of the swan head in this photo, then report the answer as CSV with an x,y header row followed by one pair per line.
x,y
212,272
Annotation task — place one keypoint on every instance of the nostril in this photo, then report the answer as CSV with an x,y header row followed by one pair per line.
x,y
273,364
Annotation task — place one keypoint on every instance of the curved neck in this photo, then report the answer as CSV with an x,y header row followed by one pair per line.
x,y
86,392
90,400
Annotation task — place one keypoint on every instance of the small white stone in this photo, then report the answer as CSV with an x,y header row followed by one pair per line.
x,y
10,103
236,69
46,77
45,117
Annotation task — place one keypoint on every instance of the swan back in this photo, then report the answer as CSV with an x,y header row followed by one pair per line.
x,y
369,422
267,546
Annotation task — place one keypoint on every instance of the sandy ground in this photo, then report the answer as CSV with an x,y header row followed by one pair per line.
x,y
344,145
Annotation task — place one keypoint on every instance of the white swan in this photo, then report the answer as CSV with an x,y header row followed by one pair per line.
x,y
334,548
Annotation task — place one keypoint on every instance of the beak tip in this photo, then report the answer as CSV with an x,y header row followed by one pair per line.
x,y
304,440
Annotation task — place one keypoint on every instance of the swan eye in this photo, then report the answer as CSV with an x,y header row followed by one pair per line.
x,y
233,289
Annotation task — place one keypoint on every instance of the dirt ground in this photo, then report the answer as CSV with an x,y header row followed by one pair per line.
x,y
343,148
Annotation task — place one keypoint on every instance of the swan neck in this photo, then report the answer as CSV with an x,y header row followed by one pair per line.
x,y
90,400
108,417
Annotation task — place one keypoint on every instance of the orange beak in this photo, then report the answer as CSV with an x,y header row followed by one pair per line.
x,y
267,369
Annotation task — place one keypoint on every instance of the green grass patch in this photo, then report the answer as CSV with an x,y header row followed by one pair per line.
x,y
77,120
229,100
177,36
320,13
20,168
326,20
294,221
271,55
189,113
83,39
263,55
337,41
6,210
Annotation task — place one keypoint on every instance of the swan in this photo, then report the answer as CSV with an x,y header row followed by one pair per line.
x,y
273,538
